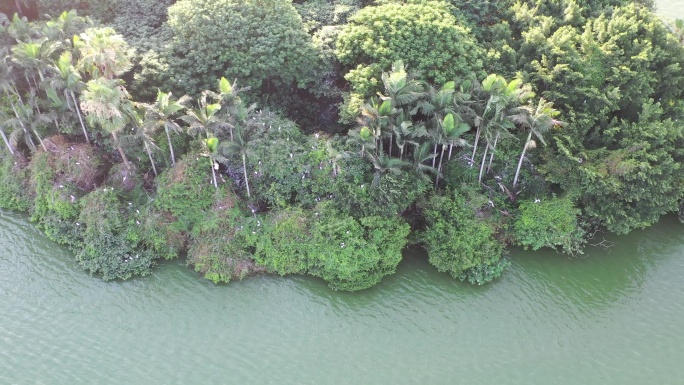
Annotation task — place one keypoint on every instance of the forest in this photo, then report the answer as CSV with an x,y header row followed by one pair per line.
x,y
323,137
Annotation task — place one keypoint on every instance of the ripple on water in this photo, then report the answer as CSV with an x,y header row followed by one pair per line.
x,y
609,318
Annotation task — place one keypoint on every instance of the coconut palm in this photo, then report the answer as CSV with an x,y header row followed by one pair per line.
x,y
34,58
4,118
422,154
384,165
240,146
106,103
141,133
233,109
160,114
538,120
205,120
69,82
103,53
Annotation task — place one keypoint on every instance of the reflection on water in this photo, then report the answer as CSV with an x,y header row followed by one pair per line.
x,y
612,317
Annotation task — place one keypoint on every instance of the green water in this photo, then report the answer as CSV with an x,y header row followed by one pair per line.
x,y
613,317
673,9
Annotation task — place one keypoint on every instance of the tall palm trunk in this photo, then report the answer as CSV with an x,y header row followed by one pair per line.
x,y
434,158
439,169
244,170
36,132
484,160
7,143
121,152
78,112
23,127
491,156
477,139
517,171
149,154
213,171
168,137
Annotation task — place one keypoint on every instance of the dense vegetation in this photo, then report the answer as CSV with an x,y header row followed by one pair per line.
x,y
322,137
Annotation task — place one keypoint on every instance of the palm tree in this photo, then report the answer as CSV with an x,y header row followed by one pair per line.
x,y
141,133
538,121
69,82
400,87
34,57
451,129
103,53
479,110
233,109
240,146
361,137
401,91
4,118
375,117
513,94
384,165
106,102
160,114
421,155
211,151
205,119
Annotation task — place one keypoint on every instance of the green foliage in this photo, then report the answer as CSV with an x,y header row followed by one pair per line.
x,y
481,274
549,222
317,14
13,183
287,166
112,241
633,182
261,42
350,254
425,36
457,240
354,254
185,191
605,71
217,250
282,241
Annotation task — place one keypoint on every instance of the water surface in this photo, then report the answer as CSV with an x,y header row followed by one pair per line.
x,y
612,317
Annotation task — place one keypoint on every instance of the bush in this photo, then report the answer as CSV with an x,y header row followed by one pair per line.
x,y
185,191
550,222
282,241
457,240
13,183
354,254
425,36
217,250
112,240
261,42
350,254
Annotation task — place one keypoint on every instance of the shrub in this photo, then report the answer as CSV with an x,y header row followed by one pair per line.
x,y
549,222
112,240
457,240
217,250
13,183
354,254
425,36
261,42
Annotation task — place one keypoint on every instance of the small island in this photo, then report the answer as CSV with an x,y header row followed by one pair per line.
x,y
324,137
